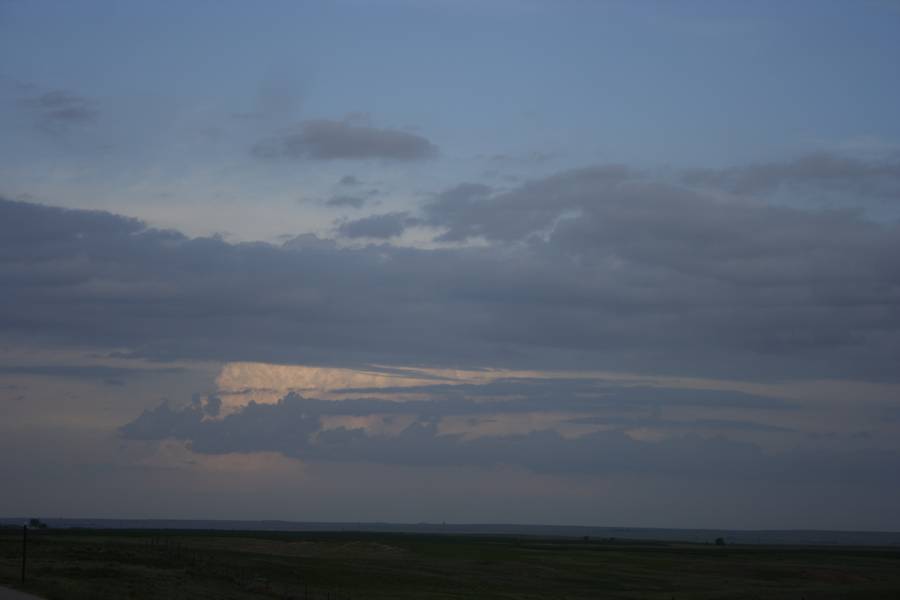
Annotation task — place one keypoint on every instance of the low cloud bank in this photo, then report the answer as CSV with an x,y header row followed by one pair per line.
x,y
294,427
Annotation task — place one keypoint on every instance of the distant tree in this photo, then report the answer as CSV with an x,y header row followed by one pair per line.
x,y
36,524
720,541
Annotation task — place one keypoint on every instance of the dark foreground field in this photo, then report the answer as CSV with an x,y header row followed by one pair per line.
x,y
95,564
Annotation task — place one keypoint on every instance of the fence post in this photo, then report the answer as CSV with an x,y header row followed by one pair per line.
x,y
24,549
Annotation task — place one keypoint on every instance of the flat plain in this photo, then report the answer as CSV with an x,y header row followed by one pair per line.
x,y
78,564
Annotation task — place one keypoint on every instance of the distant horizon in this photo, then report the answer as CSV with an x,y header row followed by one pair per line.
x,y
5,520
801,537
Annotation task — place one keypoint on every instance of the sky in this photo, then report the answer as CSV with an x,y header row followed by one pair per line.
x,y
505,261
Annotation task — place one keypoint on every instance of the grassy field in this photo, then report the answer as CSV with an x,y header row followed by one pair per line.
x,y
117,564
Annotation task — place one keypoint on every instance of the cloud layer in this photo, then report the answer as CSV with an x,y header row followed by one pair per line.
x,y
322,139
295,427
598,268
849,175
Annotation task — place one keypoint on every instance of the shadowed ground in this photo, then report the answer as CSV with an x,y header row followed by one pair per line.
x,y
98,564
11,594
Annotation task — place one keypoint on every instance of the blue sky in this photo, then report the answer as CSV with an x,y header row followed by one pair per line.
x,y
657,85
574,255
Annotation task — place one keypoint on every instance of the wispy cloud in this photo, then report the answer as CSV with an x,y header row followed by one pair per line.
x,y
346,201
332,140
58,110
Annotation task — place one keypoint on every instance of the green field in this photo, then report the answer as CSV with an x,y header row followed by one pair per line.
x,y
118,564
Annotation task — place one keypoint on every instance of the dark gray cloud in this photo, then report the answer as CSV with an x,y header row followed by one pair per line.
x,y
382,227
689,425
308,241
330,140
345,201
453,207
614,404
57,110
290,427
349,180
89,372
814,170
472,210
622,228
577,395
586,269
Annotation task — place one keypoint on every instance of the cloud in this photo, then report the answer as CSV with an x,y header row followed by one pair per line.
x,y
668,424
456,205
349,180
596,268
89,372
814,170
345,201
294,427
331,140
574,394
278,98
308,242
472,210
57,110
384,226
535,157
531,395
